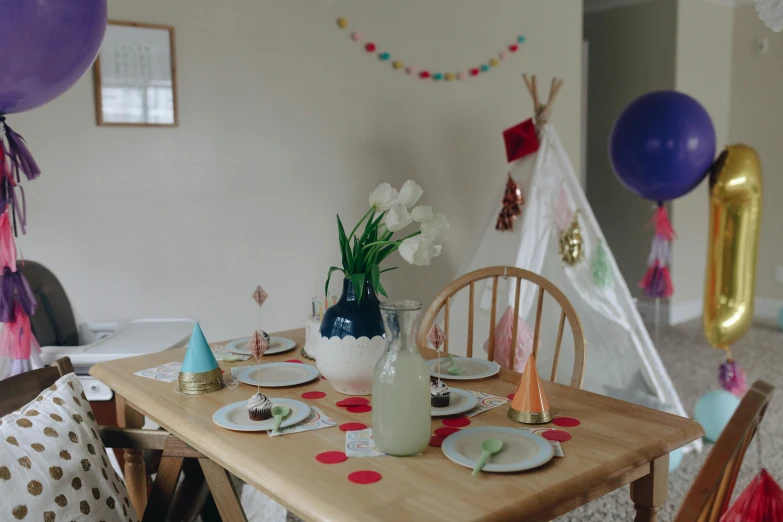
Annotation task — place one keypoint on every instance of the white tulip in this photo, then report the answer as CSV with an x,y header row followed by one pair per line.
x,y
410,193
422,213
419,250
437,229
383,197
397,218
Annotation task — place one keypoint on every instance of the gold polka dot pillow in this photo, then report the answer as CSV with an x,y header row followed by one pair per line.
x,y
53,465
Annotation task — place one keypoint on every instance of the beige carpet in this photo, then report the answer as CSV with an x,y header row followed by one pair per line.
x,y
693,366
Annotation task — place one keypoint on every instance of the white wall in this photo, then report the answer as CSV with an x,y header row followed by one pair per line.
x,y
757,119
704,46
283,123
628,58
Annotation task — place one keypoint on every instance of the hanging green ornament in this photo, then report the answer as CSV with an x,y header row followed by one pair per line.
x,y
602,274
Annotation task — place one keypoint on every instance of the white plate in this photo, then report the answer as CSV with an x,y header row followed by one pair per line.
x,y
471,368
521,449
276,345
460,402
279,374
235,416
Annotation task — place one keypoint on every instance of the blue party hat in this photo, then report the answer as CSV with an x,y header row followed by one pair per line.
x,y
199,357
200,372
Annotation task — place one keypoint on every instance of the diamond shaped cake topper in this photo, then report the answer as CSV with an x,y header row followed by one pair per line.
x,y
257,345
436,336
260,295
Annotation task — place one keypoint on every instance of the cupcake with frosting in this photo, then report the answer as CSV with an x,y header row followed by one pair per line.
x,y
259,407
439,394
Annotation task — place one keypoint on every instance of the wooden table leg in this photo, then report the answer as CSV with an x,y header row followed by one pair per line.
x,y
649,492
223,491
135,470
163,489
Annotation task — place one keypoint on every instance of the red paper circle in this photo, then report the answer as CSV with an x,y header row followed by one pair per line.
x,y
436,440
513,47
558,435
364,477
370,47
424,74
566,422
331,457
445,432
353,401
359,409
294,361
324,378
459,422
474,72
313,395
353,426
511,396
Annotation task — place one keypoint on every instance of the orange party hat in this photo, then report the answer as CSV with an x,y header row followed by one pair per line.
x,y
530,405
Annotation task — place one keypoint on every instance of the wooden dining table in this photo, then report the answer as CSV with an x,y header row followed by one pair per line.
x,y
616,443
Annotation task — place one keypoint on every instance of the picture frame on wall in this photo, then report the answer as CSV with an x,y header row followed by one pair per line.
x,y
135,76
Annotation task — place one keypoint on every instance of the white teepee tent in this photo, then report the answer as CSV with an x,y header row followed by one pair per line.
x,y
622,361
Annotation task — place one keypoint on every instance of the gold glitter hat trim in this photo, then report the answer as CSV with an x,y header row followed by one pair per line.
x,y
202,382
530,417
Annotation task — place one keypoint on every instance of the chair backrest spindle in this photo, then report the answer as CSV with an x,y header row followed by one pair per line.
x,y
492,319
557,345
471,299
515,327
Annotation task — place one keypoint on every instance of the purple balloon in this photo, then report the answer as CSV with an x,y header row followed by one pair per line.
x,y
662,145
45,47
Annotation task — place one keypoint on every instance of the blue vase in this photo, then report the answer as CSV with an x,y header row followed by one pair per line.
x,y
352,340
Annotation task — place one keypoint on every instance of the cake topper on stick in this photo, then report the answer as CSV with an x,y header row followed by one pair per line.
x,y
257,346
436,337
259,296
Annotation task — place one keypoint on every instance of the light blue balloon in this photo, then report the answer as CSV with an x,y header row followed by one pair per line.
x,y
780,317
713,412
675,458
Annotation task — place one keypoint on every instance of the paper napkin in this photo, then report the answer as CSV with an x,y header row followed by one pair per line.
x,y
166,373
360,444
315,421
486,402
223,354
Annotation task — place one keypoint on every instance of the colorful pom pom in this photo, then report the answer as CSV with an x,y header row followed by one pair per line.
x,y
397,64
370,47
437,76
424,75
484,67
502,55
521,39
342,23
474,71
513,48
460,75
493,62
449,77
410,70
356,36
383,56
731,377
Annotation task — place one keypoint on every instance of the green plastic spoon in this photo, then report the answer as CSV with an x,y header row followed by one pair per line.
x,y
488,448
454,369
279,413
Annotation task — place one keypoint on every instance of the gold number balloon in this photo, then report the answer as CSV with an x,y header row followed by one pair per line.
x,y
735,220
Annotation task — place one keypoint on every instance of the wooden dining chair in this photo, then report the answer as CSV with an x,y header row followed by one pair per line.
x,y
444,299
708,498
17,391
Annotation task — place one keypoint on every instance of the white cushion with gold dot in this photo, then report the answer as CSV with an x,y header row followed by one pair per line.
x,y
53,465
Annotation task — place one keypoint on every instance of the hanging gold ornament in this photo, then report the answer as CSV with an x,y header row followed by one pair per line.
x,y
571,251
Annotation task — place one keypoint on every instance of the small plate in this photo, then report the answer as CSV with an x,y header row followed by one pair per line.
x,y
521,449
235,416
279,374
471,368
276,345
460,402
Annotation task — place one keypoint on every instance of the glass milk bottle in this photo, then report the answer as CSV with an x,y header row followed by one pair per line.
x,y
401,385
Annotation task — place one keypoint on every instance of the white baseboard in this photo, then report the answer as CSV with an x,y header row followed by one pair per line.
x,y
685,311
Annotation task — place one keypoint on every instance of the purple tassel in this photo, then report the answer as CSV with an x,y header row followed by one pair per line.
x,y
732,377
15,288
21,159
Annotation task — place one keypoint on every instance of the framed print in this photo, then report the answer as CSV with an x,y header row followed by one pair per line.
x,y
136,76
